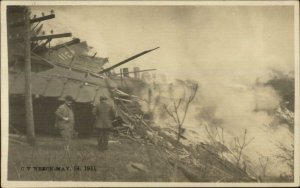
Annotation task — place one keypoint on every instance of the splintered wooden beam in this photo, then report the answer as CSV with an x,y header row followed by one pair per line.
x,y
127,60
44,37
43,18
138,71
51,36
74,41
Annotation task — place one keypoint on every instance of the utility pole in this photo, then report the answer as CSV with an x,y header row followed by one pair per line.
x,y
20,33
28,95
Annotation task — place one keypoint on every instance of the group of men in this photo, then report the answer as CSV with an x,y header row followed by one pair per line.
x,y
103,113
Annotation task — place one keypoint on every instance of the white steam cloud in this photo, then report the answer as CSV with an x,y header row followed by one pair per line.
x,y
228,50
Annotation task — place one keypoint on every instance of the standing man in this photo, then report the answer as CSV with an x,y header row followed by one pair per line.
x,y
103,113
65,121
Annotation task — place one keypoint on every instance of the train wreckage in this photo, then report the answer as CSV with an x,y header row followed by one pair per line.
x,y
64,69
69,69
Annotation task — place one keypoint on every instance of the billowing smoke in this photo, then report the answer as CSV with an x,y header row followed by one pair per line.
x,y
233,106
232,69
230,51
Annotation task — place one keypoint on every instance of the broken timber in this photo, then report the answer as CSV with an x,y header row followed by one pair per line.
x,y
138,71
126,60
43,37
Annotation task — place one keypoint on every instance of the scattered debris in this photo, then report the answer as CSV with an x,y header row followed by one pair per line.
x,y
114,141
136,167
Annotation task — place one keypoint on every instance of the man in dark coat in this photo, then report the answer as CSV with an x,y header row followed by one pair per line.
x,y
65,121
103,113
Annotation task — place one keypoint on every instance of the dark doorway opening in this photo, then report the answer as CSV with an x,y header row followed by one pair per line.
x,y
44,117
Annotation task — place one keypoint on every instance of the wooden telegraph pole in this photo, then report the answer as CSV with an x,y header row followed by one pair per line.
x,y
20,32
28,95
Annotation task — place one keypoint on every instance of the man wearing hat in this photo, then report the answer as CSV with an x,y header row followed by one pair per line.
x,y
103,113
65,120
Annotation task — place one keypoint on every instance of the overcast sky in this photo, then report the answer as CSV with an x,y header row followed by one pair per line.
x,y
230,42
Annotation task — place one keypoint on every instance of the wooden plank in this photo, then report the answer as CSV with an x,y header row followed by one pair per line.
x,y
74,41
127,60
51,36
42,37
137,71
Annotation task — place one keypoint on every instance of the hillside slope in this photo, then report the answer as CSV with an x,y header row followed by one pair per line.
x,y
125,161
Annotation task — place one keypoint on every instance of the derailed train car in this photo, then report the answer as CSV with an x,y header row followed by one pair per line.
x,y
64,69
53,83
49,89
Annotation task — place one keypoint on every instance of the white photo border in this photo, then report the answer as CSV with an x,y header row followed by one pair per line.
x,y
5,98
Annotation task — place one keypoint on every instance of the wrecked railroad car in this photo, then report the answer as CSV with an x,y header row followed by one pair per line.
x,y
51,85
56,71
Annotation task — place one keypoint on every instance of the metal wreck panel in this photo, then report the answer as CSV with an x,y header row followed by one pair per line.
x,y
86,93
54,87
71,88
38,84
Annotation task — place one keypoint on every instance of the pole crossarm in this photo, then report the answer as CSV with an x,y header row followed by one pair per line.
x,y
43,18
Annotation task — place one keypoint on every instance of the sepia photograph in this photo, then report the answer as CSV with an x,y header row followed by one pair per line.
x,y
151,93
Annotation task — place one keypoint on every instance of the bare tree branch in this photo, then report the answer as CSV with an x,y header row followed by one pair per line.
x,y
169,112
263,161
210,135
239,148
174,114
